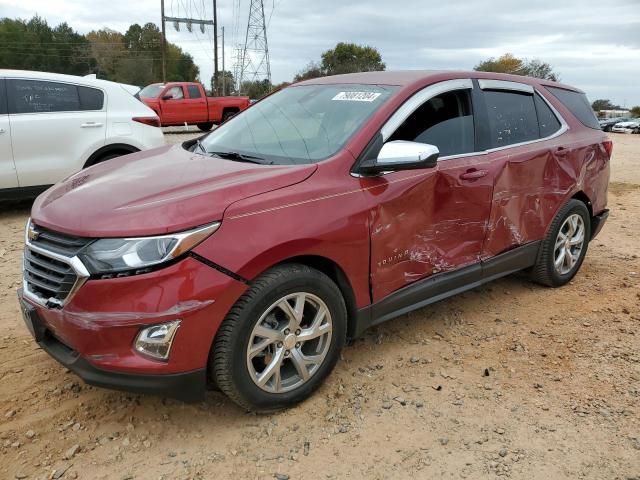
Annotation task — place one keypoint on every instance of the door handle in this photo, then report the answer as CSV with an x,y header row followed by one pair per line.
x,y
2,130
91,125
473,174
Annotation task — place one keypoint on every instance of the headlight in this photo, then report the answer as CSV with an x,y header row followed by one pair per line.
x,y
114,255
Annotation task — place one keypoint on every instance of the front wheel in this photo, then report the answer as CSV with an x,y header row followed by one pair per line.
x,y
280,340
563,249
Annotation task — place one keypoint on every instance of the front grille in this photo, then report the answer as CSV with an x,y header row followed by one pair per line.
x,y
47,277
59,243
48,271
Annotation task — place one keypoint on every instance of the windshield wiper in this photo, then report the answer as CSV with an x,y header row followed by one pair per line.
x,y
241,157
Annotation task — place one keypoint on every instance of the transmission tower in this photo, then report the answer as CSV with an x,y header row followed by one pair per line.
x,y
254,58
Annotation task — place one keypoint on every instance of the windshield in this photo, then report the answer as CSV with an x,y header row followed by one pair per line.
x,y
299,125
151,91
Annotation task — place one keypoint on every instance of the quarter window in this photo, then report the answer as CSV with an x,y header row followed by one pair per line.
x,y
194,91
176,92
445,121
549,123
576,103
512,117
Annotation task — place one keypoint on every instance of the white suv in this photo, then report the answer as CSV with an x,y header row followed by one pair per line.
x,y
53,125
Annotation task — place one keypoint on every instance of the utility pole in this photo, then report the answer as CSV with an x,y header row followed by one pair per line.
x,y
254,63
215,46
189,22
163,46
224,75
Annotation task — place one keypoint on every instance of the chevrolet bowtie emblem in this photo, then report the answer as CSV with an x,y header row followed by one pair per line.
x,y
32,234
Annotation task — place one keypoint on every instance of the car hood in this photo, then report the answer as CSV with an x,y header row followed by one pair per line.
x,y
158,191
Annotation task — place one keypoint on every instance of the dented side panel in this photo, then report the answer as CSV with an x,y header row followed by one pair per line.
x,y
426,221
532,183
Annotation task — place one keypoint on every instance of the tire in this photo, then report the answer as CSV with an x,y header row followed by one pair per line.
x,y
227,115
205,127
563,232
237,371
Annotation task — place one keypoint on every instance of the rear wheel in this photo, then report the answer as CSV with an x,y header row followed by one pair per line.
x,y
205,127
227,115
280,340
565,246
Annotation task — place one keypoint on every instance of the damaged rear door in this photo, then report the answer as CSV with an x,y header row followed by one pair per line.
x,y
432,220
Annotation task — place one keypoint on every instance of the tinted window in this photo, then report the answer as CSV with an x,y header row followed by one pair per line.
x,y
177,92
33,96
3,98
90,98
194,91
549,123
445,121
301,124
512,117
577,104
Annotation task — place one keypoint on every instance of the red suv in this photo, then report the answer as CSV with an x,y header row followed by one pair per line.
x,y
245,259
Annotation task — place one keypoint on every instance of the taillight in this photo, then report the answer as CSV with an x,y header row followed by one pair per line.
x,y
608,146
152,121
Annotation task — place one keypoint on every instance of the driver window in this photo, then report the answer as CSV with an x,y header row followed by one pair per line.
x,y
176,92
445,121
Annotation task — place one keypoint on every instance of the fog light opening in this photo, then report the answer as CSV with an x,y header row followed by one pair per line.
x,y
155,341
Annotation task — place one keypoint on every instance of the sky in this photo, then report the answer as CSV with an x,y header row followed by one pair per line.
x,y
593,45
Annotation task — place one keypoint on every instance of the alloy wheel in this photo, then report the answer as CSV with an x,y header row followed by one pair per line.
x,y
289,342
569,244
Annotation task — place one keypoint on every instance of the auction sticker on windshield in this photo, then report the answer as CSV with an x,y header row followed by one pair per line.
x,y
357,96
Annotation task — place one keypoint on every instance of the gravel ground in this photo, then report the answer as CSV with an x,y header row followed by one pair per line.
x,y
510,380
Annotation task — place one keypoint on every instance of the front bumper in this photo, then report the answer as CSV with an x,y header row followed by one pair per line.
x,y
93,334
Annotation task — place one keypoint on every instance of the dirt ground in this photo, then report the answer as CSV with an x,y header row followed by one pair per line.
x,y
508,380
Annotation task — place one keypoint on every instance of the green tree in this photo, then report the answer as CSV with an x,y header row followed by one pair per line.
x,y
604,104
255,89
635,111
349,58
312,70
508,63
229,84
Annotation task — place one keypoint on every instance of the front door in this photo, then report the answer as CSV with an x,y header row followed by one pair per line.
x,y
433,220
8,176
173,109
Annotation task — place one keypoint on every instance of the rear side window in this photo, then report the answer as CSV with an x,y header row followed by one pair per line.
x,y
35,96
549,123
445,121
194,91
3,98
90,98
577,104
512,117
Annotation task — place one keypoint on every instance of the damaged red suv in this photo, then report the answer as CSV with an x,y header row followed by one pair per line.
x,y
245,259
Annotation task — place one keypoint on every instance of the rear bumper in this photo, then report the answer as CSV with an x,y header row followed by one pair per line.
x,y
598,222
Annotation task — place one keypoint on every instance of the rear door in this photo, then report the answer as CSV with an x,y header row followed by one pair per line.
x,y
528,158
196,105
433,220
8,176
55,126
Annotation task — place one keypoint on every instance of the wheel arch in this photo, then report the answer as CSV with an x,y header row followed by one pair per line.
x,y
121,148
335,272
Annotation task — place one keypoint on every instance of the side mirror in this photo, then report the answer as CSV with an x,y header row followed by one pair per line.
x,y
168,96
401,155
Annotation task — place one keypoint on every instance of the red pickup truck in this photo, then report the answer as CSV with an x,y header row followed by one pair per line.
x,y
180,103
